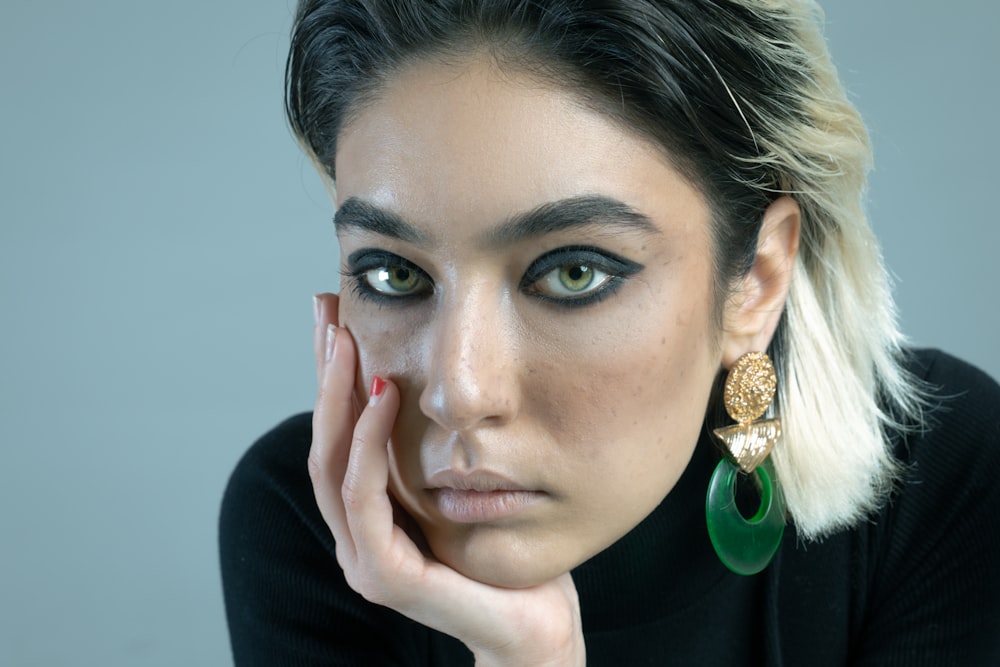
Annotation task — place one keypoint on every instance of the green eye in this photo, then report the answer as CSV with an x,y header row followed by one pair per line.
x,y
572,280
576,278
396,280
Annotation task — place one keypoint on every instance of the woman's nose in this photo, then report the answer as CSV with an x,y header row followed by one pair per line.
x,y
472,369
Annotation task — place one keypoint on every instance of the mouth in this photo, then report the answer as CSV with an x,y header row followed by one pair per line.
x,y
479,497
466,506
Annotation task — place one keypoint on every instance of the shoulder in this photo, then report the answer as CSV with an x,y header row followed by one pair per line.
x,y
287,601
935,589
951,460
960,434
282,447
269,483
279,570
948,493
949,378
276,459
268,523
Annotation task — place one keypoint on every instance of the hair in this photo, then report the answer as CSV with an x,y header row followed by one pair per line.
x,y
744,99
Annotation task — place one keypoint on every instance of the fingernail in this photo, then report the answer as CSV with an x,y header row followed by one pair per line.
x,y
378,386
331,341
315,310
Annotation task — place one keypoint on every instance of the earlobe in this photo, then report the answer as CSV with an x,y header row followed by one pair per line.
x,y
754,309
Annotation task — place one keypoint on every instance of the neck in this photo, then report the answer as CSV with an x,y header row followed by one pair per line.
x,y
662,565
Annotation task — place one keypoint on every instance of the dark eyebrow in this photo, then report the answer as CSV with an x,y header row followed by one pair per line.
x,y
545,219
567,214
358,214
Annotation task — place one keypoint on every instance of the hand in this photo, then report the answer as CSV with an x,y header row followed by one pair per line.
x,y
349,467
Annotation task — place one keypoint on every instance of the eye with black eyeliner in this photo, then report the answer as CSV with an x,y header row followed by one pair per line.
x,y
577,276
384,277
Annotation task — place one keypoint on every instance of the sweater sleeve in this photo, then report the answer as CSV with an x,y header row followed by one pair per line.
x,y
287,602
936,591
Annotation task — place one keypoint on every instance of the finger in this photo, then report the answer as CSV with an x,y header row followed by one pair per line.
x,y
333,430
389,561
365,488
325,311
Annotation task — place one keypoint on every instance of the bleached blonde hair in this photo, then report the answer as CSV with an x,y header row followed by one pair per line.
x,y
744,98
838,351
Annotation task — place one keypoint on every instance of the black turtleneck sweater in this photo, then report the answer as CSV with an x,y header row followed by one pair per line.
x,y
918,584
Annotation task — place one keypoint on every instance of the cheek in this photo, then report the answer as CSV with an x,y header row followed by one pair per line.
x,y
392,344
638,392
387,341
629,407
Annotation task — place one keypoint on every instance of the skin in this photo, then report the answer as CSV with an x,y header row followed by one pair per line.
x,y
594,409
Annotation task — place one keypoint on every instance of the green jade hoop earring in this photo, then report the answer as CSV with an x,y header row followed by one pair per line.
x,y
746,546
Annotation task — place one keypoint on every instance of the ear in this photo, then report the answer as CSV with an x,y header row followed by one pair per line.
x,y
754,309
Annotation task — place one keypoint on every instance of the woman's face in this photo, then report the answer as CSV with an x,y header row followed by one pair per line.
x,y
538,282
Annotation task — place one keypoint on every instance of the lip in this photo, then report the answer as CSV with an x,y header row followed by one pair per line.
x,y
479,497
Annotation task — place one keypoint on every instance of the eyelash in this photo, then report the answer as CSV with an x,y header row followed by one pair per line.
x,y
616,269
363,261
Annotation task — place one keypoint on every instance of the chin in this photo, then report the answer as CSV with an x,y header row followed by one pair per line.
x,y
503,576
491,557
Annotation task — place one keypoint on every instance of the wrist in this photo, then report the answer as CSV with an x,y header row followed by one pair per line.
x,y
571,654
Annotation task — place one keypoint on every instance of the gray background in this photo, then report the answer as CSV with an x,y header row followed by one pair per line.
x,y
160,237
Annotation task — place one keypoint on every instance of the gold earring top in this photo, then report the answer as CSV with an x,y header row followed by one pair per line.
x,y
750,387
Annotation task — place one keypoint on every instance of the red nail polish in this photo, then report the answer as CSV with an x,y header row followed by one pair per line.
x,y
378,386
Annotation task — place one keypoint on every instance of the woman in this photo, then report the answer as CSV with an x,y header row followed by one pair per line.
x,y
568,232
